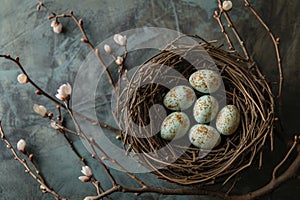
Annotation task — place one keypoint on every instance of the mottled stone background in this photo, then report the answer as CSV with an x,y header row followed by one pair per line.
x,y
53,59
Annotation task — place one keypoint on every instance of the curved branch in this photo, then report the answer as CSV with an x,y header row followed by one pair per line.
x,y
44,93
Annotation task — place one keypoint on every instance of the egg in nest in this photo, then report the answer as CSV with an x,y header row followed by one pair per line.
x,y
175,126
205,109
204,136
205,81
228,120
179,98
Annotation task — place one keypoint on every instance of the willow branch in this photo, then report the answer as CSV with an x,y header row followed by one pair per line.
x,y
140,182
70,143
84,39
94,153
44,93
26,166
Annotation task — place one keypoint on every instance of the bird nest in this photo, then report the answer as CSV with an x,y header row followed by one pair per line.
x,y
141,113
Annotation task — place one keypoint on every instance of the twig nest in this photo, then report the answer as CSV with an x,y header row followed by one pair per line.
x,y
210,151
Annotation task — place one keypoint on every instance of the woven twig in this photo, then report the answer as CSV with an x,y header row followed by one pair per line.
x,y
245,87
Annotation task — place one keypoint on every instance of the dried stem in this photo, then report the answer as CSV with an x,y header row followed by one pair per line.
x,y
30,157
70,143
85,38
217,16
67,130
235,32
28,170
82,160
275,182
275,42
296,140
94,153
93,144
271,186
140,182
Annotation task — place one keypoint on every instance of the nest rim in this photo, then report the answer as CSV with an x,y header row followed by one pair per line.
x,y
246,87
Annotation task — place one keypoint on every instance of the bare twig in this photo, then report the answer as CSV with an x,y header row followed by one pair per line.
x,y
296,140
27,168
94,153
275,42
274,183
84,39
70,142
271,186
217,16
44,93
235,32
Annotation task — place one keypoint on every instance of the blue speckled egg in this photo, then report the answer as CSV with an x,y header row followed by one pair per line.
x,y
205,81
228,120
179,98
204,137
175,126
205,109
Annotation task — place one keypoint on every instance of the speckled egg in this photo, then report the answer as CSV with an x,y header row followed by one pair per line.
x,y
205,109
175,125
205,81
179,98
228,120
204,137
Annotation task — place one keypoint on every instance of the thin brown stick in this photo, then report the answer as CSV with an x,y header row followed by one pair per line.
x,y
94,153
217,16
132,176
70,143
275,42
61,129
296,140
26,166
272,185
30,157
234,30
289,173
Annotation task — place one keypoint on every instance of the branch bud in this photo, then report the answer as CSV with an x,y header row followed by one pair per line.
x,y
84,40
22,78
227,5
21,146
107,49
38,92
39,109
119,60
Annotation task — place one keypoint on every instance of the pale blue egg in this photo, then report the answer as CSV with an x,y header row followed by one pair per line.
x,y
204,136
205,109
179,98
175,126
228,120
205,81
